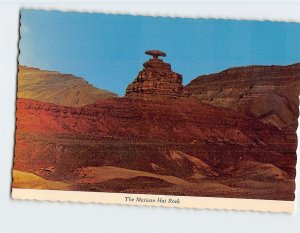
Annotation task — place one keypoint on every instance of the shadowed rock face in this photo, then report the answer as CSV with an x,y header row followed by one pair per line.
x,y
156,79
269,93
53,87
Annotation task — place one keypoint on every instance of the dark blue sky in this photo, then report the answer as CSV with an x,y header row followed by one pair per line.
x,y
108,50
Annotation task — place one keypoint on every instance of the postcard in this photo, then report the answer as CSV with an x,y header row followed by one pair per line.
x,y
157,111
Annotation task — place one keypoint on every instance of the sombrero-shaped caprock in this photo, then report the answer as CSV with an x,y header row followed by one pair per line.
x,y
155,53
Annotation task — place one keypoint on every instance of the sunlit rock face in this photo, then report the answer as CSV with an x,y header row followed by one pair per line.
x,y
156,79
54,87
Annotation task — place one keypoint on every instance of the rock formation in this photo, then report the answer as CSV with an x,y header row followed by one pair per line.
x,y
269,93
184,140
57,88
194,127
156,79
179,146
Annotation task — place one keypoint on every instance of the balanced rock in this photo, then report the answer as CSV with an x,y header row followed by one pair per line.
x,y
156,79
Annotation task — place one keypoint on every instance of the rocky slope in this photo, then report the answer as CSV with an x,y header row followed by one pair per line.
x,y
269,93
180,138
53,87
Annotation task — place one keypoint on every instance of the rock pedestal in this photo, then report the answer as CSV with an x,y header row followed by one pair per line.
x,y
156,79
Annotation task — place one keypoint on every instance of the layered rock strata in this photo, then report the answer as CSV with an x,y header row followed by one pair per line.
x,y
156,79
269,93
138,130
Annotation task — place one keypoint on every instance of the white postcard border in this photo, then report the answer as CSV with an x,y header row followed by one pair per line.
x,y
154,200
